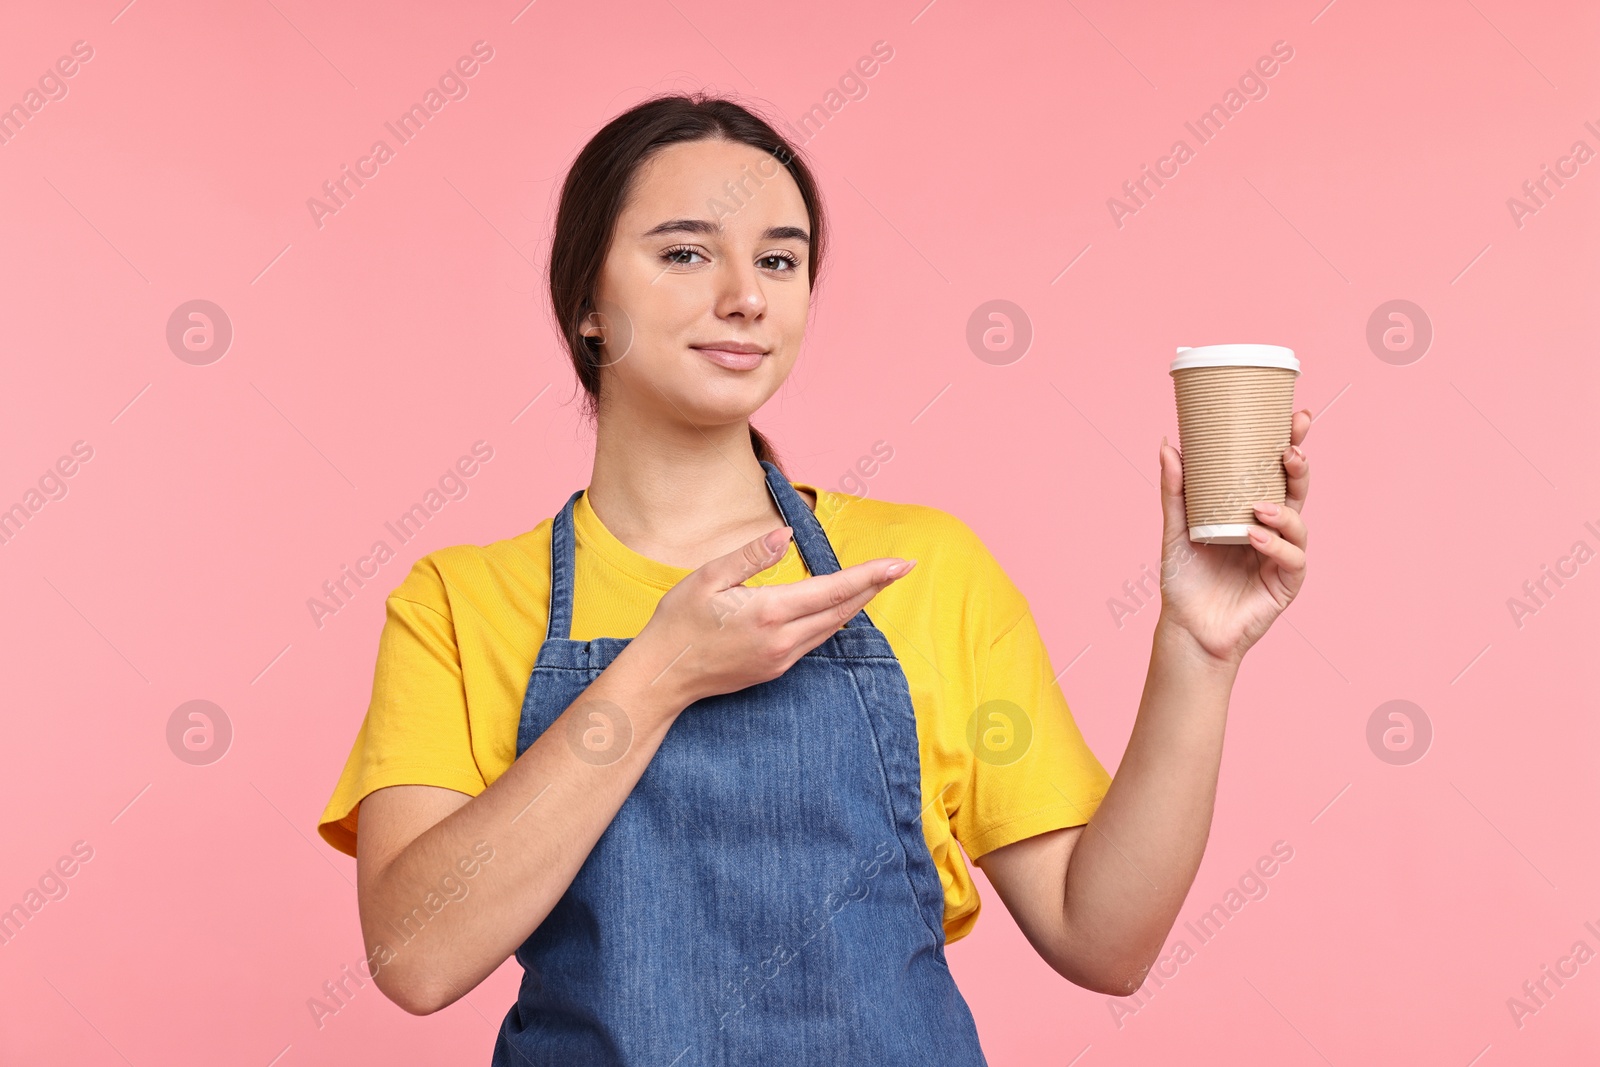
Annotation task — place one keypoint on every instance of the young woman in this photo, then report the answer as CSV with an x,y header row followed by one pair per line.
x,y
658,748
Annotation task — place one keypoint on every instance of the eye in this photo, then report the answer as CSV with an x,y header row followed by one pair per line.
x,y
671,255
785,257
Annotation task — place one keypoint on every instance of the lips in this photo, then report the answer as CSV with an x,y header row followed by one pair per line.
x,y
734,355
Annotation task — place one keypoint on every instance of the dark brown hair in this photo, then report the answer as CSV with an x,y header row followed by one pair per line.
x,y
597,188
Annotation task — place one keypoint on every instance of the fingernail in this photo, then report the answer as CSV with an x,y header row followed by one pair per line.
x,y
776,539
1296,450
1259,534
897,569
1267,509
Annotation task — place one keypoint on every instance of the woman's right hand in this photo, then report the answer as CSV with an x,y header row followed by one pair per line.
x,y
712,634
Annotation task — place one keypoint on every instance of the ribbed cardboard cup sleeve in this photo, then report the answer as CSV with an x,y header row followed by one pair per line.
x,y
1233,428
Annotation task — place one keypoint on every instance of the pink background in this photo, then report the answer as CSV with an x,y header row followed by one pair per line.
x,y
370,353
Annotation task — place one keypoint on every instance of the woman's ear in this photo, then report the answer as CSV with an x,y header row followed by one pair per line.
x,y
590,330
607,329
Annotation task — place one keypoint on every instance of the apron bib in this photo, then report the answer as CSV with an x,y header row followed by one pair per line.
x,y
765,894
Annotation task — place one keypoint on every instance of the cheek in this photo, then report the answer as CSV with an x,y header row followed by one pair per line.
x,y
662,319
788,313
780,363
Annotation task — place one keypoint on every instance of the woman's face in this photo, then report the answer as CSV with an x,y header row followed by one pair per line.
x,y
712,248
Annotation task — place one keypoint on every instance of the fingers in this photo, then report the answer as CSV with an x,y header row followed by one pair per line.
x,y
1175,523
1285,520
813,598
1290,557
755,557
811,630
1299,426
1296,467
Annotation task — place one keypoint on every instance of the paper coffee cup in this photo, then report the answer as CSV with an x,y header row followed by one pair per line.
x,y
1235,408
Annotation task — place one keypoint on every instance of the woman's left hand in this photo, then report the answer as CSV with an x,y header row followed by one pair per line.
x,y
1225,597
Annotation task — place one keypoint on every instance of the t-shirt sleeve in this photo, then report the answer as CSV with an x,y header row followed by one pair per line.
x,y
1032,771
416,731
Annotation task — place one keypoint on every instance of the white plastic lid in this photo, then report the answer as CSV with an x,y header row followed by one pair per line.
x,y
1236,356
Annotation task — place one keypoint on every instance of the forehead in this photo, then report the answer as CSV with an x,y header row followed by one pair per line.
x,y
744,187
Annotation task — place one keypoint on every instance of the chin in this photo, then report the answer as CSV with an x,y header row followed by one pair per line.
x,y
719,403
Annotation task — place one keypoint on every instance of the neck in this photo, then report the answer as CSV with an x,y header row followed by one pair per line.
x,y
676,493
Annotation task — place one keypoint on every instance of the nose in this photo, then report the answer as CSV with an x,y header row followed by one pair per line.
x,y
740,291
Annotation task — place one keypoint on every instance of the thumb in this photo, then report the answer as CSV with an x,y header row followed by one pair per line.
x,y
726,574
743,563
1175,523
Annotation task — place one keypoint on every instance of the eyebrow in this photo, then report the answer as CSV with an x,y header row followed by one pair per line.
x,y
704,227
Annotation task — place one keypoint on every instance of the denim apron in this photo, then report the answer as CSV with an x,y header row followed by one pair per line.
x,y
765,894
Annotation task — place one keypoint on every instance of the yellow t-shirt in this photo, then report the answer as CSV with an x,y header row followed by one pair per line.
x,y
464,626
